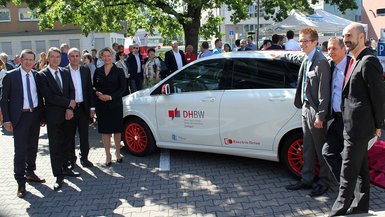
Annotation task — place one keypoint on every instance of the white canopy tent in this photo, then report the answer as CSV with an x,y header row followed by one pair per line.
x,y
323,21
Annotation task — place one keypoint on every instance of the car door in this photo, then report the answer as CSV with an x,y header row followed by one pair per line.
x,y
190,114
257,107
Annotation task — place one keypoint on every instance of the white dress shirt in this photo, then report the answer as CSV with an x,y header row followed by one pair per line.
x,y
292,45
77,81
178,59
33,89
58,74
338,80
138,63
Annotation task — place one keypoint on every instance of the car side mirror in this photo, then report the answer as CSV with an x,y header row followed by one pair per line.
x,y
166,89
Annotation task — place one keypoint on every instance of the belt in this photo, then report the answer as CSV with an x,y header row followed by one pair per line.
x,y
30,110
337,114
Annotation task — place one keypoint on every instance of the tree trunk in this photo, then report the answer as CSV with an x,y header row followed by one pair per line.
x,y
191,33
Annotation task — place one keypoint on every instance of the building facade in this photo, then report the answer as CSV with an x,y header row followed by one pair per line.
x,y
375,21
19,30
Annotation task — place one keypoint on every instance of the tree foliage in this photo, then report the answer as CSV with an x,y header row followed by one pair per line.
x,y
169,17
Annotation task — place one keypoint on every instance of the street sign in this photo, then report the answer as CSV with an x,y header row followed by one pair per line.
x,y
381,54
381,49
231,34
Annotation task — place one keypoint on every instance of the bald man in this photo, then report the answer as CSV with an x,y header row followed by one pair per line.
x,y
362,105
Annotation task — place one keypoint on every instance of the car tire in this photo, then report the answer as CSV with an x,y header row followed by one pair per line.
x,y
291,154
138,137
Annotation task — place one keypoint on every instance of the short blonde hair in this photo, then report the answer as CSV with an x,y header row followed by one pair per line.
x,y
106,49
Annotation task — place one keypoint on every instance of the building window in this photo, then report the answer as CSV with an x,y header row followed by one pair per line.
x,y
100,43
74,43
253,27
26,45
54,43
5,16
26,15
253,11
6,47
40,47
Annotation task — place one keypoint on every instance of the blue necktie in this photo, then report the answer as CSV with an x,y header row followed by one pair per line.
x,y
29,92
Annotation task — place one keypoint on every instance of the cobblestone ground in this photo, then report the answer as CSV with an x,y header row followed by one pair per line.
x,y
198,184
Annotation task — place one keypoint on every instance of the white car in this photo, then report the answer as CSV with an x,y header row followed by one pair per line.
x,y
237,103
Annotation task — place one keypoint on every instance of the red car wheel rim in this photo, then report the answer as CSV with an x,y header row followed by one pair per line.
x,y
136,138
294,156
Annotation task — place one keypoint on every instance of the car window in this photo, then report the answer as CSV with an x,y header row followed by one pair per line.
x,y
291,75
258,74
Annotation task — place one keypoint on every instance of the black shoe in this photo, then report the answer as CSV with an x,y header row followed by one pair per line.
x,y
86,163
59,182
318,190
108,164
119,160
21,192
297,186
71,173
34,178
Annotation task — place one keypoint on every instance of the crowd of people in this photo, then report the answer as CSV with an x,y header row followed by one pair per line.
x,y
66,87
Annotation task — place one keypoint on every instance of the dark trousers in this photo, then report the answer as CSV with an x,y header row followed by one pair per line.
x,y
57,146
354,179
26,139
78,122
334,145
136,83
313,141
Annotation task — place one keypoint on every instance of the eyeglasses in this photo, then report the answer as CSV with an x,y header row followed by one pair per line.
x,y
135,48
304,41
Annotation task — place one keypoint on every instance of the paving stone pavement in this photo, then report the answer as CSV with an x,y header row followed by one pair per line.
x,y
198,184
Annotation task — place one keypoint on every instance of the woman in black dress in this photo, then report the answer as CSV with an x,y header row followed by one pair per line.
x,y
109,85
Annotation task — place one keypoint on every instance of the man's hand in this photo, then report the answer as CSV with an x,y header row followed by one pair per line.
x,y
8,126
318,123
104,98
69,114
377,132
98,94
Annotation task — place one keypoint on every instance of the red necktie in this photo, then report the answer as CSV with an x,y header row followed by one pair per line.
x,y
349,70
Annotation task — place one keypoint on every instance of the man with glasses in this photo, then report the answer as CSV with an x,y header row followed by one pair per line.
x,y
135,69
23,115
312,95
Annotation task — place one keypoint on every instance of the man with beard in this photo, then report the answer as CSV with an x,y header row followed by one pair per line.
x,y
363,109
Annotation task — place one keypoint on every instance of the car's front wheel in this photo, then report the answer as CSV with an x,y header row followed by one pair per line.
x,y
138,137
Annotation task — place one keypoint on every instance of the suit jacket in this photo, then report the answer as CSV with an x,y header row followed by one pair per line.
x,y
170,61
85,76
56,101
318,85
133,66
363,97
244,49
12,98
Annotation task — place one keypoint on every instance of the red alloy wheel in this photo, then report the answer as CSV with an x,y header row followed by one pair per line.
x,y
136,138
294,155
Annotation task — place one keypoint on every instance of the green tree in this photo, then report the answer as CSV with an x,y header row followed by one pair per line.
x,y
169,17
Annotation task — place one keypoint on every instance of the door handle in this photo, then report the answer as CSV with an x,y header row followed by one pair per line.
x,y
208,99
278,98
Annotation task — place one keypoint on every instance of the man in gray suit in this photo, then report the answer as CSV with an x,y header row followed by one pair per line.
x,y
363,111
312,95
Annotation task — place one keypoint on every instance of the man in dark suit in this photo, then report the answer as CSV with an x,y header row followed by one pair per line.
x,y
174,59
135,70
363,109
56,86
84,109
334,138
22,108
312,95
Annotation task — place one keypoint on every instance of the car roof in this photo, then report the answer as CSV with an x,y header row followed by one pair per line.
x,y
270,54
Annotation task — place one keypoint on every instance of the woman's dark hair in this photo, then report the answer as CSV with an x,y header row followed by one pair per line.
x,y
227,46
88,56
117,55
150,49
